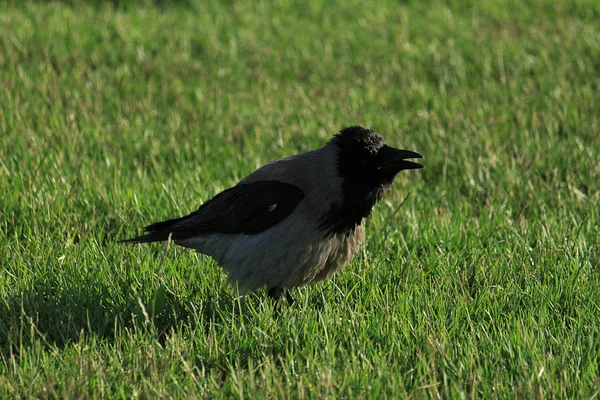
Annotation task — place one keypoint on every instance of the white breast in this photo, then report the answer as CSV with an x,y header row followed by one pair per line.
x,y
283,256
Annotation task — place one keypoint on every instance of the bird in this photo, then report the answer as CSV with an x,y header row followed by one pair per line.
x,y
294,221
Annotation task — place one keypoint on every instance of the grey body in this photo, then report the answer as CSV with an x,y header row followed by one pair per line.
x,y
296,220
296,251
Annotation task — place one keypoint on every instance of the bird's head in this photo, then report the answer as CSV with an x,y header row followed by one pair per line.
x,y
367,167
366,162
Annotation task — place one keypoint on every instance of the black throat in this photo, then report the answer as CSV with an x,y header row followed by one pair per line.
x,y
360,187
345,217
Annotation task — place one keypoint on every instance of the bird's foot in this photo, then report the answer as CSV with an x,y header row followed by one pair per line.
x,y
279,294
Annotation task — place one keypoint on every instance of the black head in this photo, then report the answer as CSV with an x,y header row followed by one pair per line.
x,y
365,158
367,166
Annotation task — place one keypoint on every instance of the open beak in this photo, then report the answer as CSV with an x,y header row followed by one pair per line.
x,y
395,160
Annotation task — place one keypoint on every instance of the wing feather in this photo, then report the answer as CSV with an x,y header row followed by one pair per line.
x,y
247,208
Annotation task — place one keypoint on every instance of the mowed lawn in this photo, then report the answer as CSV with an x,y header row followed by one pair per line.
x,y
480,276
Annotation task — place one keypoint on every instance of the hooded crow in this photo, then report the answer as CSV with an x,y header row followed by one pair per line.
x,y
296,220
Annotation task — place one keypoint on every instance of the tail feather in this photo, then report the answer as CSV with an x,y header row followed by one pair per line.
x,y
157,232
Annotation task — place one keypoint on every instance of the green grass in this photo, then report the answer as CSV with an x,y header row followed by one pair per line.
x,y
484,283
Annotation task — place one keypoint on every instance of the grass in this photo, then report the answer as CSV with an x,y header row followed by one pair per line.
x,y
483,283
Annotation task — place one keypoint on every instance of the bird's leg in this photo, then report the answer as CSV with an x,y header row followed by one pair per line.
x,y
275,293
279,294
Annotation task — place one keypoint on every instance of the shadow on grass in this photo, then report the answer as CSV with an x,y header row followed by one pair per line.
x,y
56,314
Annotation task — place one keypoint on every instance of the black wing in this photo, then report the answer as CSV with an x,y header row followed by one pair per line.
x,y
248,208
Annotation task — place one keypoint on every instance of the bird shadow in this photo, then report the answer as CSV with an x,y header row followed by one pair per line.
x,y
57,314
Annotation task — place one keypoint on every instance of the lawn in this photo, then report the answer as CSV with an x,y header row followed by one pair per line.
x,y
480,276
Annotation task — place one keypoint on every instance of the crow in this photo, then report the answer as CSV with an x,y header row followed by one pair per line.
x,y
296,220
